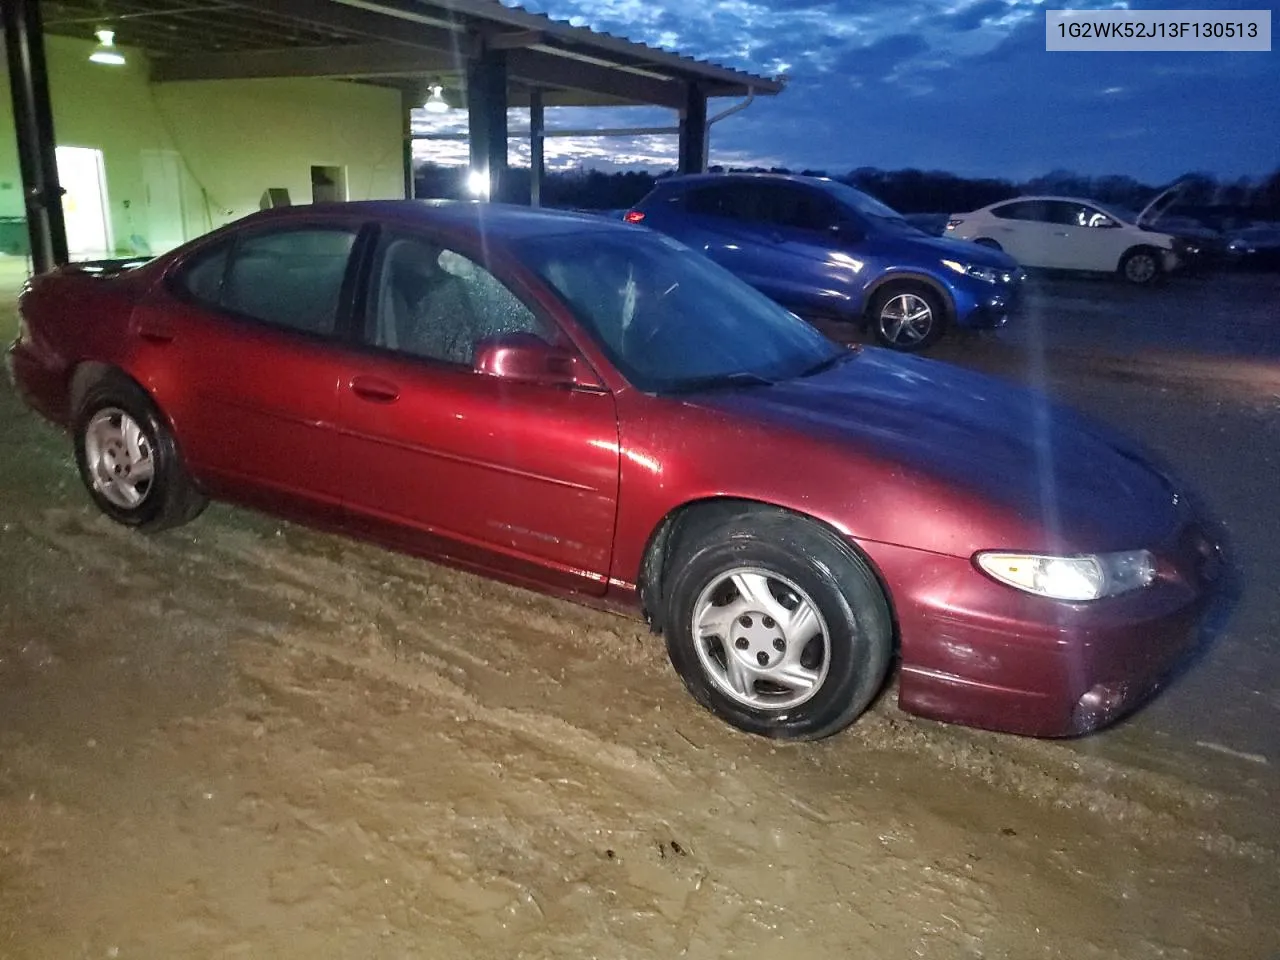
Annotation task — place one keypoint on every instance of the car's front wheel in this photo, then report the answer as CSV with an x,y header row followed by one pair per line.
x,y
777,625
907,316
129,461
1141,266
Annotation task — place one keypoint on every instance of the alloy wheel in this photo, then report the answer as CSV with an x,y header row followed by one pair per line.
x,y
905,320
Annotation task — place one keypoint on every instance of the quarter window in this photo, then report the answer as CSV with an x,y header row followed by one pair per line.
x,y
733,201
202,279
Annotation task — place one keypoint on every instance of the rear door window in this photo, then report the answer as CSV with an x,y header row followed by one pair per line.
x,y
1033,210
798,209
732,201
289,278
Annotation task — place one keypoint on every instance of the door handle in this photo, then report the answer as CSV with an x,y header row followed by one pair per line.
x,y
375,390
155,332
1061,233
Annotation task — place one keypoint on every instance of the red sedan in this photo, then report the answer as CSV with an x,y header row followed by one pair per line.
x,y
585,407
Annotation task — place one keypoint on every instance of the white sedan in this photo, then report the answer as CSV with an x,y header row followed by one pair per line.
x,y
1065,233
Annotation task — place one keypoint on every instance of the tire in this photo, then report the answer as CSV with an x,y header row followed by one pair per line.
x,y
129,461
1140,266
752,575
894,304
988,242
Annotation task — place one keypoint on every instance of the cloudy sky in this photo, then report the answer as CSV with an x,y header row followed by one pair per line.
x,y
960,85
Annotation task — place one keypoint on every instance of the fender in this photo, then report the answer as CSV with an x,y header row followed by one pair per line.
x,y
912,276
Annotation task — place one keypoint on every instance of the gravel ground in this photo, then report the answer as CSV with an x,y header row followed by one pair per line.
x,y
246,739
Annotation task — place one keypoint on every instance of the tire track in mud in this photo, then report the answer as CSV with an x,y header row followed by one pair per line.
x,y
563,739
416,624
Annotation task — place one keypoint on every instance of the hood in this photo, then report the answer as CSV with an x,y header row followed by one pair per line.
x,y
942,248
1077,484
1160,204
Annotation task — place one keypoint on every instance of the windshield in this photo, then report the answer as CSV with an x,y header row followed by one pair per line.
x,y
869,208
669,318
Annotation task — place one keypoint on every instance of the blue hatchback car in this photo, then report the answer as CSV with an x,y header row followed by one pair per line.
x,y
825,250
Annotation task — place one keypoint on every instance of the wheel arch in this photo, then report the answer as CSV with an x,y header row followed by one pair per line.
x,y
87,374
688,518
84,375
910,278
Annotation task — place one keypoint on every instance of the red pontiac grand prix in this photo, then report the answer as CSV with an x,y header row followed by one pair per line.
x,y
590,408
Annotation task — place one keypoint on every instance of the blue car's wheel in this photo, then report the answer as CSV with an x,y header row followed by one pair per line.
x,y
907,316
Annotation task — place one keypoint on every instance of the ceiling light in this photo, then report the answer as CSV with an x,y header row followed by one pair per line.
x,y
106,50
436,102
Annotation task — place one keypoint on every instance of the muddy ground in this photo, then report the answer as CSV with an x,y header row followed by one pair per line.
x,y
246,739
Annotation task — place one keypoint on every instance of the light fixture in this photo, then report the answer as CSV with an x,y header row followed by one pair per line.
x,y
436,102
106,50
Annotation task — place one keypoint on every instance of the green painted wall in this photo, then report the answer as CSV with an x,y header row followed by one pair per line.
x,y
233,140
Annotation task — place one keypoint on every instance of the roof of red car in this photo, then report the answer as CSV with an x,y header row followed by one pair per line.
x,y
507,221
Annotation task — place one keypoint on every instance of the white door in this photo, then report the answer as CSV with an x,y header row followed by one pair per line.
x,y
162,183
1022,229
1092,240
84,201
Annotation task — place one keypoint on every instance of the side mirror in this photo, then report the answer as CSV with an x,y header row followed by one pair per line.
x,y
526,358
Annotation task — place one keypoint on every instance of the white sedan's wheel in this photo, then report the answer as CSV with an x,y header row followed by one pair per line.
x,y
1140,266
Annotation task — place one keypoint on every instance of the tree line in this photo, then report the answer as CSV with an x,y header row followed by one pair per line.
x,y
908,191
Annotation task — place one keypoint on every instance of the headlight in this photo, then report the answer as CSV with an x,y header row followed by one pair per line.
x,y
989,274
1090,577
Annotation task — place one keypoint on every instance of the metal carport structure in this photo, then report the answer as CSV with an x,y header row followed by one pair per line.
x,y
485,55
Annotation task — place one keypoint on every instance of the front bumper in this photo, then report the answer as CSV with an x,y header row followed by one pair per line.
x,y
986,655
989,306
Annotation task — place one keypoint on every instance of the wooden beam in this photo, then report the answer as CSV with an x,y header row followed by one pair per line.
x,y
487,121
514,40
355,61
537,143
693,131
546,69
361,22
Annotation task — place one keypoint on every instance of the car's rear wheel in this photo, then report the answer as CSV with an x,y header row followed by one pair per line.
x,y
1140,266
129,461
776,625
988,242
907,316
